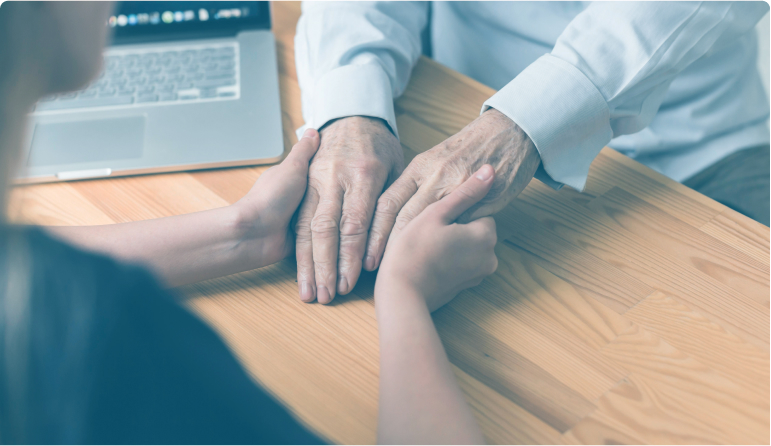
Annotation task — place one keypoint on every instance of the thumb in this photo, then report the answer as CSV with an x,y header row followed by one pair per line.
x,y
303,151
466,195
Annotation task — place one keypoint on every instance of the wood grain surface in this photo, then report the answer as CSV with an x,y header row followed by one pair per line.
x,y
635,312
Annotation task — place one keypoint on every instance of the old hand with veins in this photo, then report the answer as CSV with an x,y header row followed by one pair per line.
x,y
357,159
492,139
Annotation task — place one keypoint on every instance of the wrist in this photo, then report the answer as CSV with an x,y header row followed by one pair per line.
x,y
240,227
520,138
362,124
395,290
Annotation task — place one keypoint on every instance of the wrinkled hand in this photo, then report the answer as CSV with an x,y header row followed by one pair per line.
x,y
436,257
491,139
357,159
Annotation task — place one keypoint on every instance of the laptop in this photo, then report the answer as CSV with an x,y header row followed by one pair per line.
x,y
185,85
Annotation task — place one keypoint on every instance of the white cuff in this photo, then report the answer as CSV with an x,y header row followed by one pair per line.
x,y
351,90
562,112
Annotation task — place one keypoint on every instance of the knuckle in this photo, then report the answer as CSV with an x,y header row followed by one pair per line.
x,y
465,191
302,227
323,225
302,238
354,223
387,205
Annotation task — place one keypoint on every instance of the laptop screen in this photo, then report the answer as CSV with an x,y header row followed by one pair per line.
x,y
148,20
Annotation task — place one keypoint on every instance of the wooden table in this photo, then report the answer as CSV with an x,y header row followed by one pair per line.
x,y
637,311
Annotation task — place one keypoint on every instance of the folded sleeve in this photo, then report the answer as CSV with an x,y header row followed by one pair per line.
x,y
609,73
354,58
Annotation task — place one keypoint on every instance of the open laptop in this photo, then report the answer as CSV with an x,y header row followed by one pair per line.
x,y
186,85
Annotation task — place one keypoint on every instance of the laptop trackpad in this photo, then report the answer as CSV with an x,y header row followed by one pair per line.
x,y
57,143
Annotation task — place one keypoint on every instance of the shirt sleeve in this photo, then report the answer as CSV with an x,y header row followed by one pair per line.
x,y
609,73
354,58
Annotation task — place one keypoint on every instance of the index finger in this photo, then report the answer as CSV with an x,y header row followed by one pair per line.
x,y
466,195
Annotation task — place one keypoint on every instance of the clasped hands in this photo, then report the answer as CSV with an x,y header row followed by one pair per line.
x,y
360,198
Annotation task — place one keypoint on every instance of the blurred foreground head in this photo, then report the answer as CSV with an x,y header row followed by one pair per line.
x,y
48,47
45,47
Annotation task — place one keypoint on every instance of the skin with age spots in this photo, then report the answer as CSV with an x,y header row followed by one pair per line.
x,y
358,158
337,233
490,139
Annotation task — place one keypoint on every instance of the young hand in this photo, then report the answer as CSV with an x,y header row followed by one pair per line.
x,y
265,212
436,257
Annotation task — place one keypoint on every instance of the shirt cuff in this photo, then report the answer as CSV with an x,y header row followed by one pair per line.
x,y
562,112
351,90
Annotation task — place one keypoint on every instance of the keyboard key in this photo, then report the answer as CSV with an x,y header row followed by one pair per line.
x,y
227,94
221,75
226,50
214,83
156,79
154,71
147,90
188,96
165,97
166,88
148,98
67,96
208,93
107,92
184,85
85,103
126,91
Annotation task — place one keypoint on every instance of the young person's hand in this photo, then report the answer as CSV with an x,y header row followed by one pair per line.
x,y
264,214
436,258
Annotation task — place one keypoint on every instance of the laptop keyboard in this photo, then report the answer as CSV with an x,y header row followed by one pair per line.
x,y
147,77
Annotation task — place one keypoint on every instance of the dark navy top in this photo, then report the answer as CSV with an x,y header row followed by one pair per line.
x,y
94,351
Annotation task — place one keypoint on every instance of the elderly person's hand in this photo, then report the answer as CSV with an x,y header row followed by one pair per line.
x,y
491,139
358,158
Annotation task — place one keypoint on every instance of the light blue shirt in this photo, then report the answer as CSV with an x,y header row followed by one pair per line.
x,y
671,84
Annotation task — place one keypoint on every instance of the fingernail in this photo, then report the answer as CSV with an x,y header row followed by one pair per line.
x,y
485,173
306,293
309,133
342,285
369,263
323,295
